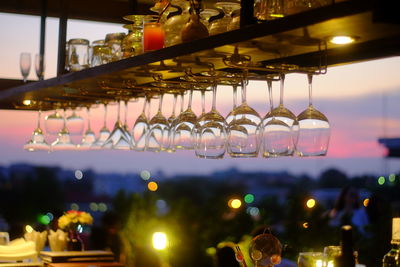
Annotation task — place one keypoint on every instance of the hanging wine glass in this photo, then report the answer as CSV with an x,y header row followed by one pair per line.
x,y
89,137
63,141
54,123
157,136
243,141
104,132
276,135
37,141
184,128
231,116
75,123
211,140
314,129
140,128
118,139
25,65
283,114
172,122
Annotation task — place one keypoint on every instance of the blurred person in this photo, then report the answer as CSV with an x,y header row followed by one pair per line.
x,y
348,210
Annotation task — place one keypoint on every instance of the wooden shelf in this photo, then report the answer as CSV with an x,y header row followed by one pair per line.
x,y
293,40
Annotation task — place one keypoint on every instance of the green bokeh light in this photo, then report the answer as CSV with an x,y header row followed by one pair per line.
x,y
44,219
381,180
249,198
392,178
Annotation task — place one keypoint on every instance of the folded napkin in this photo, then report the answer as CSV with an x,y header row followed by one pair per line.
x,y
57,240
39,238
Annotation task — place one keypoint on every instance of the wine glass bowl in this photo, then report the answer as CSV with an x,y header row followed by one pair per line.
x,y
25,65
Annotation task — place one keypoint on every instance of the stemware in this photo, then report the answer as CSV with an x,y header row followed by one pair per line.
x,y
171,122
37,141
283,114
206,14
173,26
25,65
39,66
140,128
243,141
221,25
157,136
314,129
89,137
183,136
104,132
63,141
231,116
119,138
276,135
211,139
54,123
75,123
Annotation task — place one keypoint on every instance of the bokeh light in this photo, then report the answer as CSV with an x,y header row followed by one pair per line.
x,y
43,219
93,206
310,203
366,202
254,211
211,251
305,225
50,215
152,186
392,178
27,102
235,203
381,180
28,229
249,198
102,207
78,174
159,240
74,206
145,175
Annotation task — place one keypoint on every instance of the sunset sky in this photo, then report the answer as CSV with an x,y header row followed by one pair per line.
x,y
360,101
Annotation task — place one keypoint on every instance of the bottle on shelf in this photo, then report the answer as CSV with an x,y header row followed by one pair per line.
x,y
392,258
346,257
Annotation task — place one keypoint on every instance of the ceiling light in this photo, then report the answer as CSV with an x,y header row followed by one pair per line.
x,y
340,40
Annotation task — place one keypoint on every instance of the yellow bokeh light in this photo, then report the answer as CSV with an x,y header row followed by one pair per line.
x,y
235,203
28,229
305,225
319,263
342,40
26,102
366,202
311,203
152,186
159,240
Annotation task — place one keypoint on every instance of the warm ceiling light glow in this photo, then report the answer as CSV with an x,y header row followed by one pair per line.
x,y
341,40
26,102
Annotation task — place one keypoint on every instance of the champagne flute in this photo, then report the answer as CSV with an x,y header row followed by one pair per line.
x,y
103,134
25,65
314,129
276,135
39,66
37,141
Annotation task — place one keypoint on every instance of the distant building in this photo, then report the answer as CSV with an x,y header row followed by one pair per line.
x,y
392,145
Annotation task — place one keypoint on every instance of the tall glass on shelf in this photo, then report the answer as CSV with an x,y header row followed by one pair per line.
x,y
25,65
78,54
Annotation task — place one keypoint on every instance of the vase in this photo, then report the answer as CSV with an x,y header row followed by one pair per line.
x,y
74,242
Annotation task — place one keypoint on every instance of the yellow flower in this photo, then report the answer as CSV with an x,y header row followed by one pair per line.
x,y
72,218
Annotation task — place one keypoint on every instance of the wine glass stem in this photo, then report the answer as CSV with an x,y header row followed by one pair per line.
x,y
119,110
282,76
244,91
39,116
149,108
271,101
309,76
181,103
234,96
144,105
174,105
160,103
105,115
88,114
190,99
126,113
214,100
203,101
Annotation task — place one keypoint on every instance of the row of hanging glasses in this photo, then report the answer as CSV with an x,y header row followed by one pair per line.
x,y
243,133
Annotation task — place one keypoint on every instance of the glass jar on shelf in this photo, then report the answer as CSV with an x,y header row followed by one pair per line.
x,y
114,41
78,54
100,53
